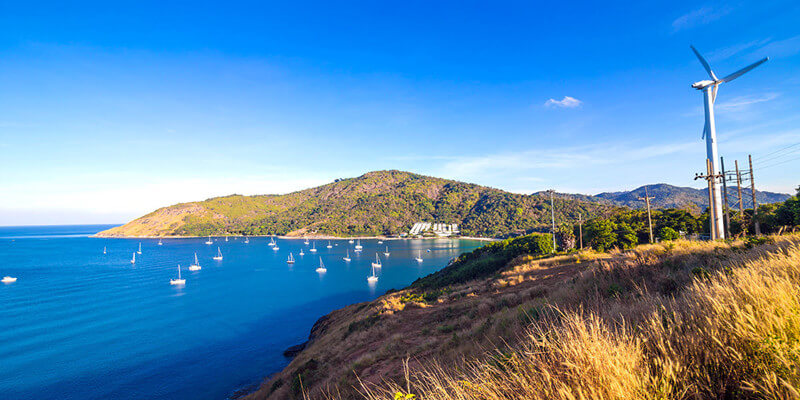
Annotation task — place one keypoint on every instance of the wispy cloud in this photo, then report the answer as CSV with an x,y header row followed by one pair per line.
x,y
701,16
741,103
566,102
780,48
730,51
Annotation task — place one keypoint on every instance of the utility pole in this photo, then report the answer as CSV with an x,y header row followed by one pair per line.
x,y
739,186
553,216
711,177
647,199
753,190
580,229
725,197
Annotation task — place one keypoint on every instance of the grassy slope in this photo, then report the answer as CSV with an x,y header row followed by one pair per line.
x,y
674,320
382,202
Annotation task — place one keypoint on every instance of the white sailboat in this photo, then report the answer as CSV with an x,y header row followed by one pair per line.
x,y
140,249
386,253
347,257
329,245
209,241
358,245
290,260
313,248
8,279
321,269
271,241
305,242
372,278
218,257
419,257
104,249
196,266
133,260
178,281
301,253
275,247
226,238
380,241
377,263
246,240
160,243
350,241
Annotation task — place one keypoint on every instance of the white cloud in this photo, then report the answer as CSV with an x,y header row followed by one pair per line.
x,y
741,103
701,16
781,48
566,102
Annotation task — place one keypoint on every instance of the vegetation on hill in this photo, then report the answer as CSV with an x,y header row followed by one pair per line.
x,y
669,196
376,203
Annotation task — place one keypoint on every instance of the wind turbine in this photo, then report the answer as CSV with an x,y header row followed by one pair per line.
x,y
709,88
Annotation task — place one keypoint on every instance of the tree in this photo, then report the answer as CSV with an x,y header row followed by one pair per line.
x,y
667,233
626,236
600,234
565,237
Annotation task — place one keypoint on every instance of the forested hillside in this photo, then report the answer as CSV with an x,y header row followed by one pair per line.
x,y
376,203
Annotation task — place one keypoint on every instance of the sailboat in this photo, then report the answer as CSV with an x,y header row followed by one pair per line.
x,y
104,249
209,242
377,263
178,281
350,241
347,257
246,240
321,268
380,241
419,257
8,279
196,265
290,260
275,247
140,249
358,245
329,245
226,238
160,243
305,242
313,247
133,260
301,253
372,278
386,253
271,241
218,257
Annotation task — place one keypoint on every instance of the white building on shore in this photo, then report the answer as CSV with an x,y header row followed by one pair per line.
x,y
441,230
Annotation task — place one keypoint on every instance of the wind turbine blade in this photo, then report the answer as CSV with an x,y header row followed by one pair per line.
x,y
705,63
705,130
744,70
714,94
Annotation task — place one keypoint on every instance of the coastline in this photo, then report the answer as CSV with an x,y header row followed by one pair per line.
x,y
313,237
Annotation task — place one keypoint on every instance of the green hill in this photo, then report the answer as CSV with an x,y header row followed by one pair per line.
x,y
376,203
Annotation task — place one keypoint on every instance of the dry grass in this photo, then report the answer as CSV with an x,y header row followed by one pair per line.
x,y
732,332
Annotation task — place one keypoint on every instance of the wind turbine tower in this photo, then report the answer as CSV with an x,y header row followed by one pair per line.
x,y
709,88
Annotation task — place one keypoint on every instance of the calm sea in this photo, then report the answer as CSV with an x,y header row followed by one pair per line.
x,y
79,324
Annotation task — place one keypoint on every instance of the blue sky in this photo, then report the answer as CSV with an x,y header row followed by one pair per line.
x,y
108,111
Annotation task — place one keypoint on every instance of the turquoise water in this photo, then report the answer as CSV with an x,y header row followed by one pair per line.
x,y
79,324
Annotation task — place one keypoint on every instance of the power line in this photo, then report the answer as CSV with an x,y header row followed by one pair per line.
x,y
776,151
780,158
776,164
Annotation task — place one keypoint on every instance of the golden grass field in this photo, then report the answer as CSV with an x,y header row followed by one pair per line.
x,y
677,320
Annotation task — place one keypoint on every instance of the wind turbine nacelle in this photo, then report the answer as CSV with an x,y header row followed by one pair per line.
x,y
703,84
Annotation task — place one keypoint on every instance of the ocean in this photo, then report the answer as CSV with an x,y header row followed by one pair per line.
x,y
80,324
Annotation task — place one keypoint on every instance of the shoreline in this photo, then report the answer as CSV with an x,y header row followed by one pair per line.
x,y
312,237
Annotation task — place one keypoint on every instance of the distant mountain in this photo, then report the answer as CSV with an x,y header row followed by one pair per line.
x,y
669,196
376,203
